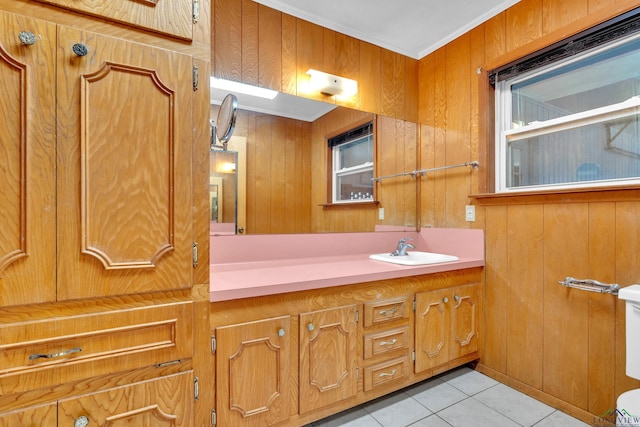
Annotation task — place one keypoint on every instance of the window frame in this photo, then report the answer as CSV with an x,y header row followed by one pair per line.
x,y
331,163
504,133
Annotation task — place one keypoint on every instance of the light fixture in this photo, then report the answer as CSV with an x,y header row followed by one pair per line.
x,y
232,86
332,85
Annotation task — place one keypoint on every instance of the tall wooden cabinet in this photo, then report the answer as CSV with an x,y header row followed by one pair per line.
x,y
97,289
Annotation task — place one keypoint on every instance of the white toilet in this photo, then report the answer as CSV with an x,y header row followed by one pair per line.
x,y
628,404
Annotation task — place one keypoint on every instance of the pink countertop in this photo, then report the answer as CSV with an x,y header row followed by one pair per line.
x,y
254,265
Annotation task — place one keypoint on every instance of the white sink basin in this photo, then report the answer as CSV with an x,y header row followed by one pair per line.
x,y
415,258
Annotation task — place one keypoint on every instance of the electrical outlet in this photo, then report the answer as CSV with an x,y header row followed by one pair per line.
x,y
380,213
470,213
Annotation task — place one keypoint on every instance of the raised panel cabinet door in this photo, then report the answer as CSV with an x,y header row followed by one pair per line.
x,y
328,357
162,402
173,17
465,312
432,329
37,416
27,160
124,166
252,367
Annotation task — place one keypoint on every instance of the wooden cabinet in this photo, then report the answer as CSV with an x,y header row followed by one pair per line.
x,y
387,342
290,359
123,167
115,169
162,402
328,357
173,17
253,372
446,325
97,312
38,416
27,150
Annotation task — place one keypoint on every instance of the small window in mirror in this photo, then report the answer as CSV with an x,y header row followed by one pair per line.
x,y
352,165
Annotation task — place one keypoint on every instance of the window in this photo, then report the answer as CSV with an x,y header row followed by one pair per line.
x,y
352,165
572,123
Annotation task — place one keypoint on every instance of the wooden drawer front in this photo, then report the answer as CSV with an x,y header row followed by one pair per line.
x,y
173,17
385,342
384,311
76,347
383,373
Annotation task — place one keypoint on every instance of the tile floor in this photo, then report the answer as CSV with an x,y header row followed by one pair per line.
x,y
461,398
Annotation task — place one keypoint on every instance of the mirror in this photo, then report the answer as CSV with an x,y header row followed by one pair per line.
x,y
286,168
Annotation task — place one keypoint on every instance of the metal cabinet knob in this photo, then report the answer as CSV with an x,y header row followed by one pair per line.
x,y
81,422
27,38
445,300
456,297
281,332
80,49
311,327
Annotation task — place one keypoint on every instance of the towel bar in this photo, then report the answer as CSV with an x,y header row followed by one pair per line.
x,y
590,285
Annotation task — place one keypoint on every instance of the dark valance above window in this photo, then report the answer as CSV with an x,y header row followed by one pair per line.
x,y
352,134
613,29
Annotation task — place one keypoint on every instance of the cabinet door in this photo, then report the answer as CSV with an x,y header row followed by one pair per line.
x,y
328,357
124,167
173,17
39,416
163,402
27,161
465,312
432,329
253,364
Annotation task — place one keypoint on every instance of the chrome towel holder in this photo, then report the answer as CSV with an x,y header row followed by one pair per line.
x,y
590,285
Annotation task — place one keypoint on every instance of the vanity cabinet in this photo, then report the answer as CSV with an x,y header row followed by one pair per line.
x,y
446,325
290,359
253,372
328,357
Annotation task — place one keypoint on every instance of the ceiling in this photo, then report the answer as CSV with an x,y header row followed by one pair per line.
x,y
413,28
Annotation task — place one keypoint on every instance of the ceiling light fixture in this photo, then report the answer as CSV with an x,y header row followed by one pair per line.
x,y
332,85
232,86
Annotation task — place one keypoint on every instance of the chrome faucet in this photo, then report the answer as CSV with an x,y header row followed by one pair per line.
x,y
401,249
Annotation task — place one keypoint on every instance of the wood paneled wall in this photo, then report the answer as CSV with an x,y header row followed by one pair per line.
x,y
255,44
563,346
278,198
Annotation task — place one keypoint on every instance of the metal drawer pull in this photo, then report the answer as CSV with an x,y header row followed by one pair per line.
x,y
55,355
81,421
389,311
27,38
311,327
392,342
388,374
281,332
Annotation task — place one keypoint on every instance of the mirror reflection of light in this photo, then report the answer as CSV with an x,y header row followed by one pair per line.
x,y
243,88
228,167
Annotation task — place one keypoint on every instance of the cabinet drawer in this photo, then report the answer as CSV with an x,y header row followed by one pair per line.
x,y
383,373
168,17
385,311
386,341
47,352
